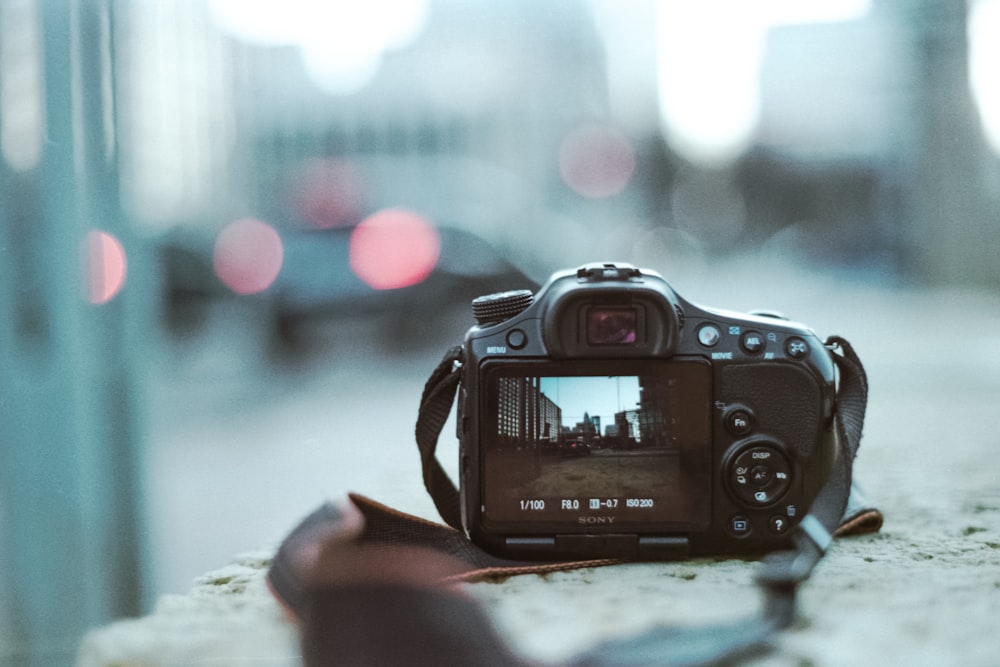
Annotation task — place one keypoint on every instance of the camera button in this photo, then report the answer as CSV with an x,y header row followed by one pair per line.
x,y
779,524
740,526
517,339
761,475
739,421
709,335
752,342
796,348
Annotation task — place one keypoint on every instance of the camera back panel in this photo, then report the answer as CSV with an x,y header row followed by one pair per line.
x,y
608,417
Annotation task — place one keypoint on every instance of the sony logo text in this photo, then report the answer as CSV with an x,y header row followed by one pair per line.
x,y
595,520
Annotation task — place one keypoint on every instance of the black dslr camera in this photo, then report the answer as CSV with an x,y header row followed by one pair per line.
x,y
607,417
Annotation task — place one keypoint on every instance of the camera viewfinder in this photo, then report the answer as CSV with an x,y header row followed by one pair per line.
x,y
611,326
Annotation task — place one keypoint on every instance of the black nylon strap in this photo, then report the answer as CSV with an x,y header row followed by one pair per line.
x,y
783,573
435,407
416,628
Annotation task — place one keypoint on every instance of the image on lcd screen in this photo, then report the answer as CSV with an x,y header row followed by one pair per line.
x,y
575,448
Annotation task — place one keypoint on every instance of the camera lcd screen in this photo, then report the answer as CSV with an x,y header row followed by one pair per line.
x,y
596,445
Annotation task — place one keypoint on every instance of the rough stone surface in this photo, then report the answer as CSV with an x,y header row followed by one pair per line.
x,y
227,618
925,591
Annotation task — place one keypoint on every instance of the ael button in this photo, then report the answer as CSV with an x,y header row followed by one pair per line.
x,y
752,342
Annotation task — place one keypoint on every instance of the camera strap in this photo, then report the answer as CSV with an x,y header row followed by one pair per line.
x,y
370,584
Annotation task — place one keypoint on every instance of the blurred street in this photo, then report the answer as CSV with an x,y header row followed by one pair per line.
x,y
241,447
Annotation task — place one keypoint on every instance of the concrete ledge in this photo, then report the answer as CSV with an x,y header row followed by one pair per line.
x,y
925,591
228,618
901,597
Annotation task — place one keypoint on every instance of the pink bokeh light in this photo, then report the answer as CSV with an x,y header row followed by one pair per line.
x,y
394,248
329,193
105,266
596,161
248,256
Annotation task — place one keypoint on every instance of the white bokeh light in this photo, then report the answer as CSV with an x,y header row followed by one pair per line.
x,y
342,43
984,57
708,64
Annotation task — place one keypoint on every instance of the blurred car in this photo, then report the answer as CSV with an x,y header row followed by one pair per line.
x,y
574,448
317,286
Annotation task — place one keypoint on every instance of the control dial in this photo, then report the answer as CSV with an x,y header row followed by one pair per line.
x,y
759,475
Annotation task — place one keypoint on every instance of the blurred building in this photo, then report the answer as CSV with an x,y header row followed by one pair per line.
x,y
870,145
463,125
536,129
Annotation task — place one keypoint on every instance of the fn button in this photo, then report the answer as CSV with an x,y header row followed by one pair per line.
x,y
739,421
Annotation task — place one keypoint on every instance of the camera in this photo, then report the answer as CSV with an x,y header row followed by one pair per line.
x,y
607,417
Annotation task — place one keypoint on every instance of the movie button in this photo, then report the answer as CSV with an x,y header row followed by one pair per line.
x,y
739,421
517,339
740,526
709,335
778,524
752,342
796,348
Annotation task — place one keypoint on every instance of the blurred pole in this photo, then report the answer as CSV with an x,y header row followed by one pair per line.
x,y
951,235
71,536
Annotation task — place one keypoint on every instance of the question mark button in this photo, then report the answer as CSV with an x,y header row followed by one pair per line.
x,y
779,524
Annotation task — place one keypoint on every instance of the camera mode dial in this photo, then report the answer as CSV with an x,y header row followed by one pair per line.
x,y
501,306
